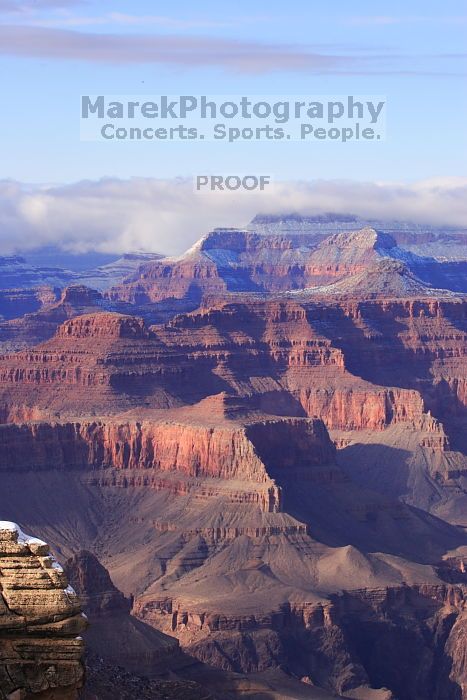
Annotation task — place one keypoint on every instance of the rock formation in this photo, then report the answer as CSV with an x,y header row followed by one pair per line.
x,y
196,537
358,365
391,357
92,583
121,648
40,622
38,324
113,633
229,260
15,303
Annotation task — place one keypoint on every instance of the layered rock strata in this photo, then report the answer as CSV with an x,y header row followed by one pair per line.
x,y
40,622
229,260
356,365
239,461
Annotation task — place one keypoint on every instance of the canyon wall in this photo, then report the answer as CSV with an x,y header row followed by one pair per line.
x,y
145,451
355,364
351,643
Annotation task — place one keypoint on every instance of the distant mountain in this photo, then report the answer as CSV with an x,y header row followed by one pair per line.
x,y
39,323
34,300
444,243
107,275
17,272
231,260
17,302
51,256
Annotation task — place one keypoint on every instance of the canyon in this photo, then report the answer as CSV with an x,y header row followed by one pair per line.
x,y
263,442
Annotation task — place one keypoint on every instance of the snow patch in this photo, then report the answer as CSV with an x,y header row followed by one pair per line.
x,y
22,537
7,525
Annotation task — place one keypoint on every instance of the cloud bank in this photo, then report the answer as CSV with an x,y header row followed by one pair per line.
x,y
192,51
112,215
59,38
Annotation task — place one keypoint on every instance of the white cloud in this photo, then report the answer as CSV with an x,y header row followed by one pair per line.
x,y
39,39
112,215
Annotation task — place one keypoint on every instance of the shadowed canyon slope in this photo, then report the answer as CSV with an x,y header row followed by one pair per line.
x,y
275,477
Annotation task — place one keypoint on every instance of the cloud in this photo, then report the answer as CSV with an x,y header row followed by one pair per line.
x,y
112,215
240,56
192,51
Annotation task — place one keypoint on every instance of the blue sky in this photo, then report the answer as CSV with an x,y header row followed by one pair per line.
x,y
414,53
53,51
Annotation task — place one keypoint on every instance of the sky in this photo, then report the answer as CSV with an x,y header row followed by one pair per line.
x,y
51,52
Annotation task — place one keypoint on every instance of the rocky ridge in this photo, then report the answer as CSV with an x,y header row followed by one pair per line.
x,y
228,261
17,273
439,242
